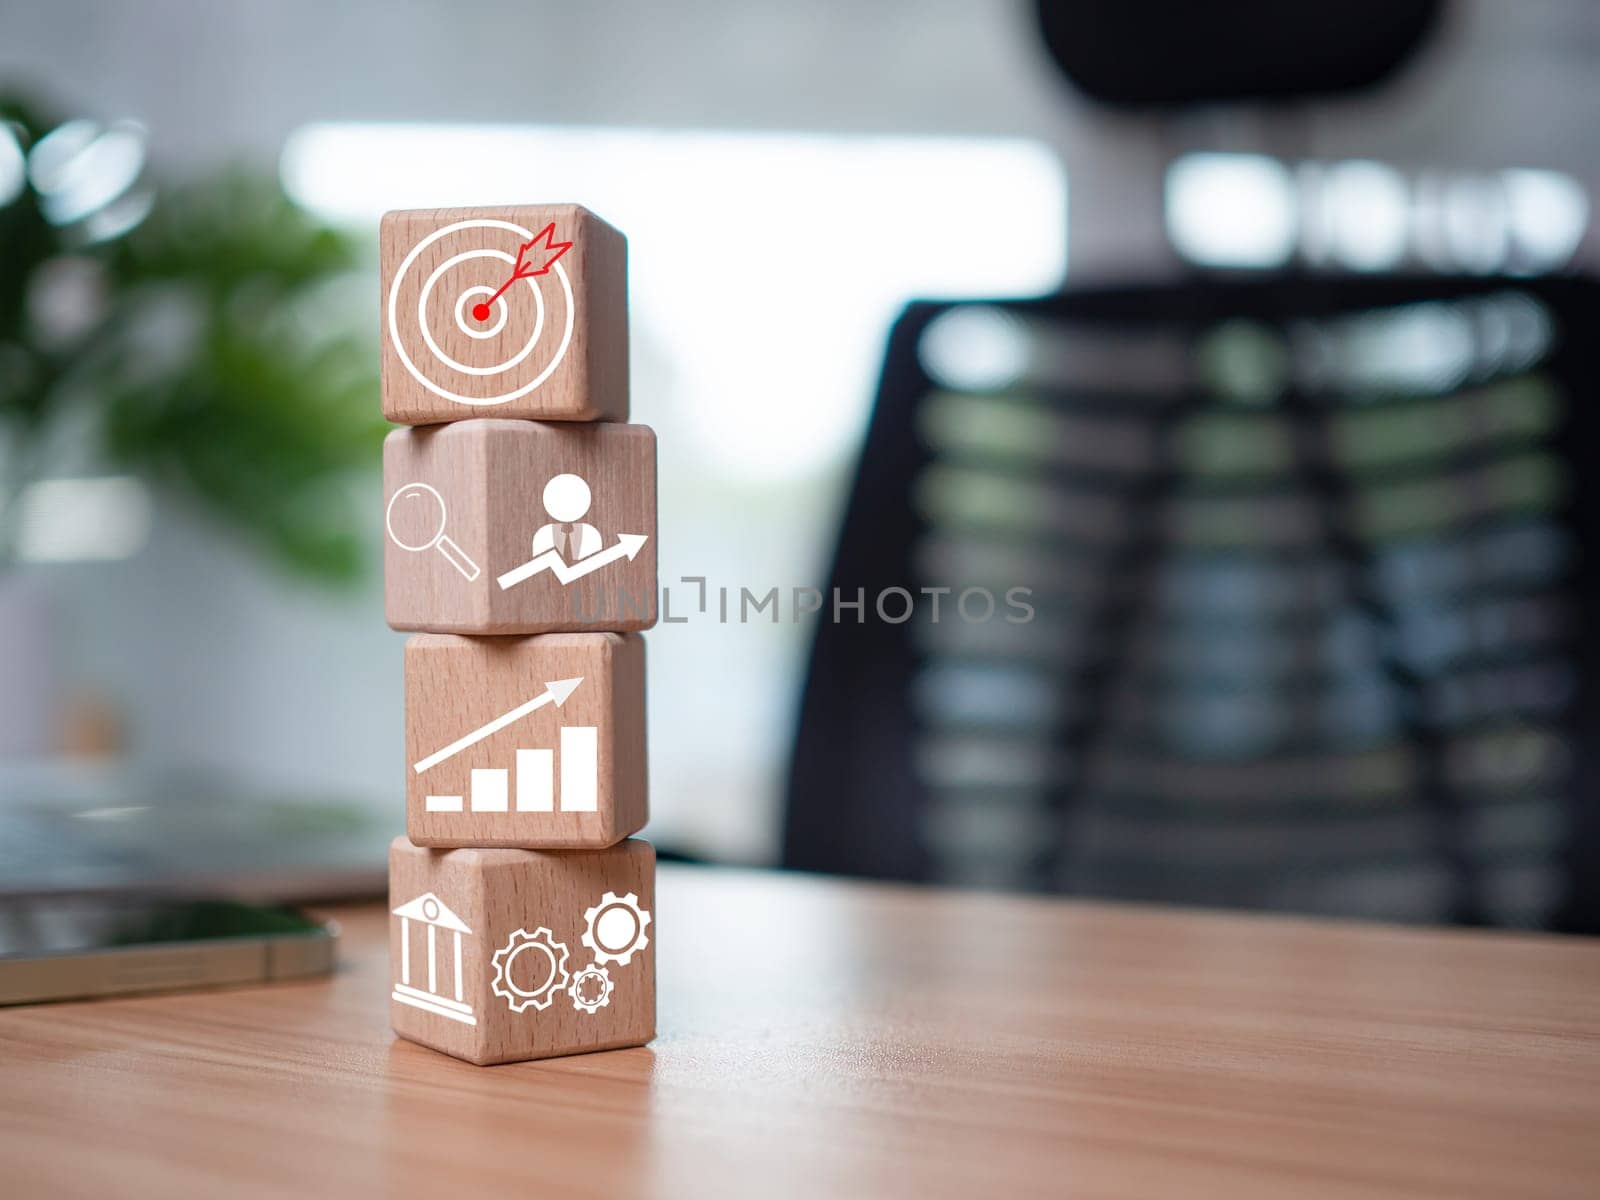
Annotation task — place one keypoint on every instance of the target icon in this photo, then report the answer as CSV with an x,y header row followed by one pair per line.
x,y
487,308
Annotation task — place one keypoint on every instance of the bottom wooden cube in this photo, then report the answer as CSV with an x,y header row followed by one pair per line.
x,y
506,955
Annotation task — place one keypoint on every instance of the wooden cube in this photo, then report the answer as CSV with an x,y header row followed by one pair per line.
x,y
505,955
534,742
520,527
509,312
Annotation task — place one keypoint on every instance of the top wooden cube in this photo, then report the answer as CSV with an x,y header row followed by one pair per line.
x,y
504,312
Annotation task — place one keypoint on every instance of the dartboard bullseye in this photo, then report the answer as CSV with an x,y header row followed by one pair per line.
x,y
496,309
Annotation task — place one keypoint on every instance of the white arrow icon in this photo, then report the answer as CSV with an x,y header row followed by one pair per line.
x,y
628,545
555,692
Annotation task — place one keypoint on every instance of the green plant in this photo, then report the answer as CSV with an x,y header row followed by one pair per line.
x,y
207,336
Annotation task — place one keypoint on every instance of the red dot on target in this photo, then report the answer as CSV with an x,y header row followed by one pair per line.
x,y
480,312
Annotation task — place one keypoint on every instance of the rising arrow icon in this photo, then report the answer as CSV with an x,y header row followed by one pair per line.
x,y
555,692
628,546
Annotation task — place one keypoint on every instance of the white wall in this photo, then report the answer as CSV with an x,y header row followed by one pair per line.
x,y
1506,84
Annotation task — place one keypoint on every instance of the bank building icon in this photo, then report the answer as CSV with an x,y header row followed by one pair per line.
x,y
430,912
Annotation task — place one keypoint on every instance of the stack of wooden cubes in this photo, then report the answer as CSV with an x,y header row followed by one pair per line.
x,y
521,549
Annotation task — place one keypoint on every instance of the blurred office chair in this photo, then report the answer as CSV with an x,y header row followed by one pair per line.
x,y
1308,575
1307,561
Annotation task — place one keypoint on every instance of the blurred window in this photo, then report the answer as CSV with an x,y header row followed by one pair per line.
x,y
1249,211
765,270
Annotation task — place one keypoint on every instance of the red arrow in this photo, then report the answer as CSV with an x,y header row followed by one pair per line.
x,y
525,266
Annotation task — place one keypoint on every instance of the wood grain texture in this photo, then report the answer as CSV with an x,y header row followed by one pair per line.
x,y
525,910
456,685
820,1038
491,476
589,379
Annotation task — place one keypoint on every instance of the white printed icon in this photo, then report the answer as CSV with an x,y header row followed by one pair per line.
x,y
470,254
416,519
568,547
591,989
430,912
615,928
530,969
536,769
567,499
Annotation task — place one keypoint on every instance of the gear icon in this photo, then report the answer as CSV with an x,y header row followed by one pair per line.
x,y
615,928
549,976
591,988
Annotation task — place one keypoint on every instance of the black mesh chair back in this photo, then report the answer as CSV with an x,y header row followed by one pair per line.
x,y
1304,563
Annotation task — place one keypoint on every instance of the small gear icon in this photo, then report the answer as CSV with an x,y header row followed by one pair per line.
x,y
615,928
591,988
549,976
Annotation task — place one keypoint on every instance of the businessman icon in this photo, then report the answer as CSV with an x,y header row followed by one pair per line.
x,y
566,498
568,546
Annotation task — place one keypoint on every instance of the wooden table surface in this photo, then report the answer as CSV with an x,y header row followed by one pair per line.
x,y
821,1038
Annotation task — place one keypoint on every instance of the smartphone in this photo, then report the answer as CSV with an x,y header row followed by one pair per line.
x,y
73,947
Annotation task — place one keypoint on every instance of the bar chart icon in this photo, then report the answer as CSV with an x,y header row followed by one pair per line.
x,y
574,762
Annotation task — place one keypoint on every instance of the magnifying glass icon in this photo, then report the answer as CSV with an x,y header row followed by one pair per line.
x,y
415,519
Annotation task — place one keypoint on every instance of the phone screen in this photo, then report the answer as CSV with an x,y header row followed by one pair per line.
x,y
31,927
